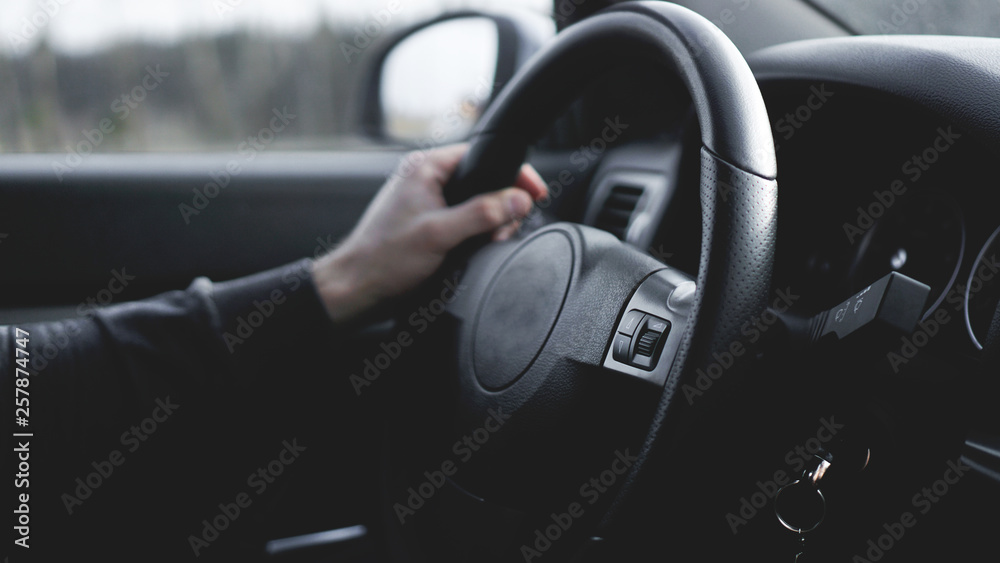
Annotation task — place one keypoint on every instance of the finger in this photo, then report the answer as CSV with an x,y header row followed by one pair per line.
x,y
434,165
481,214
444,160
531,181
506,231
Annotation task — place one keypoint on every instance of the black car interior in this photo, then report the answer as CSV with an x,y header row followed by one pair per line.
x,y
729,182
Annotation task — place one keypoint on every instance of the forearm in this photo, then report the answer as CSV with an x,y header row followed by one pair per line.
x,y
92,375
188,390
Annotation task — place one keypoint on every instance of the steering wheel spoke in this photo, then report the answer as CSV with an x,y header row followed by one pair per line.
x,y
652,326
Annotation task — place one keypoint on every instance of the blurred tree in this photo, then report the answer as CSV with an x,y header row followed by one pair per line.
x,y
219,91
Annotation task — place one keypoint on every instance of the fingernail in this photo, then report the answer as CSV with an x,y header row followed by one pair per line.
x,y
518,203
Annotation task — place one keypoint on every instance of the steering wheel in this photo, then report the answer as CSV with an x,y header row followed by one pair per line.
x,y
572,354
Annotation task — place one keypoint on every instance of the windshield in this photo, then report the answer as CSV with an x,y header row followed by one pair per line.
x,y
927,17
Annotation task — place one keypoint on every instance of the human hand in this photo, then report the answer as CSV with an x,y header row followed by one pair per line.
x,y
407,230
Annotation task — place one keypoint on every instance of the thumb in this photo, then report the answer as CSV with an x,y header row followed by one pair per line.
x,y
482,214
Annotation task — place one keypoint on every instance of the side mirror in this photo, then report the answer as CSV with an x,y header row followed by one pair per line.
x,y
432,82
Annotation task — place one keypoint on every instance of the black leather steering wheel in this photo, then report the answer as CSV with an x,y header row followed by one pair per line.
x,y
537,385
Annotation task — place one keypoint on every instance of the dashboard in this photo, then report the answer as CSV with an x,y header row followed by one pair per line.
x,y
884,166
875,176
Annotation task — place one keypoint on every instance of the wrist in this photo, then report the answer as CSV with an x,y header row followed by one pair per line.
x,y
342,284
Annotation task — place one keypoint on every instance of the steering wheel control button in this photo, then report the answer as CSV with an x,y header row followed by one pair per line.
x,y
657,325
652,334
682,297
620,348
647,338
630,322
647,343
648,334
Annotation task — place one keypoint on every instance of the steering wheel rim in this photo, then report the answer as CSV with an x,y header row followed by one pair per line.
x,y
738,191
732,117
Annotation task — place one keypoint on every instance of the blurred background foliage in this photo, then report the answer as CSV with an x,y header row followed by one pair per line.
x,y
57,80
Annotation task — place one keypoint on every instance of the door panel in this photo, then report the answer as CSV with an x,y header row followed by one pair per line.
x,y
142,214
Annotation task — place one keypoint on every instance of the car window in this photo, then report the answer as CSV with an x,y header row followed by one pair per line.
x,y
82,76
936,17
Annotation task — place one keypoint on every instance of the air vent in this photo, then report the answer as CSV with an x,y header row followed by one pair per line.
x,y
616,213
629,204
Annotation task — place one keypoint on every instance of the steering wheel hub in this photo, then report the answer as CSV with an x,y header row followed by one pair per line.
x,y
510,329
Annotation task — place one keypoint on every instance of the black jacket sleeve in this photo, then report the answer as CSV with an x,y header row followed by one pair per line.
x,y
187,384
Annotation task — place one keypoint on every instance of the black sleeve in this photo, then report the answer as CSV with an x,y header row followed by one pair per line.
x,y
184,386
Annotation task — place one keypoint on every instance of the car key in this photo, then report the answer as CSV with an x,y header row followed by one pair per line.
x,y
801,507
